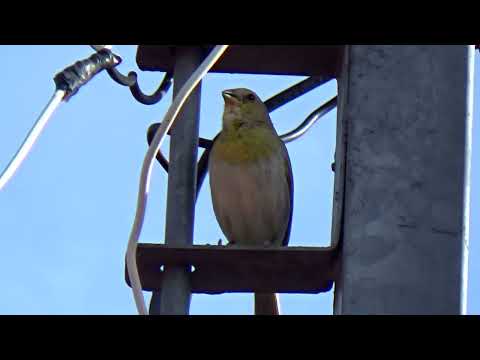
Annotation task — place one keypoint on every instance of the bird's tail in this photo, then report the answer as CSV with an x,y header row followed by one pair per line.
x,y
266,304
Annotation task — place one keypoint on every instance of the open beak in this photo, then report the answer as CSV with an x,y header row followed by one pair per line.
x,y
230,97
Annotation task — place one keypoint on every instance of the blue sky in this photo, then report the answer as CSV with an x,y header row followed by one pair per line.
x,y
67,213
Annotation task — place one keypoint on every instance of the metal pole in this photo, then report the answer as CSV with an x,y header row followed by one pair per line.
x,y
174,299
407,111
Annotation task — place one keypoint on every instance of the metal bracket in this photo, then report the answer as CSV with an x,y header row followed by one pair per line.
x,y
219,269
131,81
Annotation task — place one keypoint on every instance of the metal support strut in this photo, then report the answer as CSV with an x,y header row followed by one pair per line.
x,y
174,298
407,110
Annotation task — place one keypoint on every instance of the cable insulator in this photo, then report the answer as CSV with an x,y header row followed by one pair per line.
x,y
72,78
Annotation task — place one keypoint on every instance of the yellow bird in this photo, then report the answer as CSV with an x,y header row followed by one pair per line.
x,y
251,180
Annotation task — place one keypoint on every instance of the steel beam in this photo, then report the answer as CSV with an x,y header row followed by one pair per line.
x,y
407,113
175,296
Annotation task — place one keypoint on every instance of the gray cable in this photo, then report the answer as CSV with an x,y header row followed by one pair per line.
x,y
309,121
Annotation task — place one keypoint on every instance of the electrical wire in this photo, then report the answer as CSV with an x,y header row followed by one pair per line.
x,y
31,137
131,255
67,83
309,121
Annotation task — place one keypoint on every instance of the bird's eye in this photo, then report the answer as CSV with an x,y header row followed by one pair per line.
x,y
250,97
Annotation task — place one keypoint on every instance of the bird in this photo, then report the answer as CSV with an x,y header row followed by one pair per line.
x,y
251,181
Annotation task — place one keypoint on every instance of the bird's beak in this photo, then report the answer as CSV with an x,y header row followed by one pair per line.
x,y
230,97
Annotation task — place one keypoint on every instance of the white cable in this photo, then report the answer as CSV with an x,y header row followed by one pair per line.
x,y
187,88
31,138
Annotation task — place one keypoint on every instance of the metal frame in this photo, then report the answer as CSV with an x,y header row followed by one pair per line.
x,y
174,298
184,183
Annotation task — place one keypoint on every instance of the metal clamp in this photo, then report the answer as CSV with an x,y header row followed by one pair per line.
x,y
72,78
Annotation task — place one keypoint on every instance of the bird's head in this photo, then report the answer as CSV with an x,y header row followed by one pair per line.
x,y
244,108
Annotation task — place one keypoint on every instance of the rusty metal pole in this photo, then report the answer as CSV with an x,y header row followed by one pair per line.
x,y
407,112
175,296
